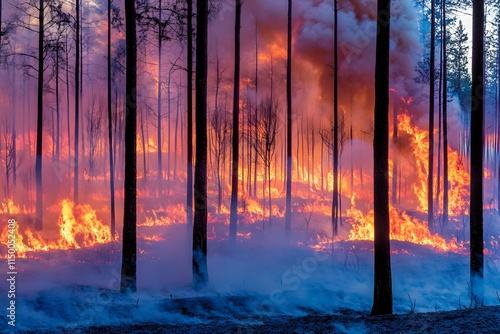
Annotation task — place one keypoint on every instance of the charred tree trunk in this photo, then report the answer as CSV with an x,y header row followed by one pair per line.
x,y
39,124
144,152
1,31
68,107
233,219
159,141
200,270
256,108
77,101
440,119
129,251
217,125
382,296
110,131
58,118
430,176
335,203
14,132
177,114
477,137
445,121
288,206
169,129
189,181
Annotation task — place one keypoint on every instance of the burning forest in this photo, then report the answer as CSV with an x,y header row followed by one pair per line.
x,y
176,163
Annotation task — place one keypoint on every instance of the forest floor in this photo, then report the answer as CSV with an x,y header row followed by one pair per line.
x,y
476,320
256,286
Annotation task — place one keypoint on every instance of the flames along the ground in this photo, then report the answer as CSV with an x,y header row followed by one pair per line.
x,y
80,227
403,226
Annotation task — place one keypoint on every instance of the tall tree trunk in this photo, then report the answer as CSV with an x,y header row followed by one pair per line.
x,y
159,141
322,164
382,296
430,175
177,113
1,31
129,250
169,113
58,127
39,124
110,131
268,167
335,203
445,121
233,219
14,133
77,101
200,270
68,108
81,36
440,119
144,150
256,155
189,182
288,206
477,137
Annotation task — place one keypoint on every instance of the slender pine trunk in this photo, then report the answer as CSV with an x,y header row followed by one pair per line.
x,y
158,123
39,124
200,269
233,218
110,131
430,175
189,182
382,295
77,102
476,151
288,205
445,122
129,250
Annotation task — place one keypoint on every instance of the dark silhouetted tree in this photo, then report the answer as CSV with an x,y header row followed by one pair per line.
x,y
39,124
265,141
200,270
189,181
382,295
233,219
129,251
110,127
77,99
288,204
432,65
335,198
476,159
445,114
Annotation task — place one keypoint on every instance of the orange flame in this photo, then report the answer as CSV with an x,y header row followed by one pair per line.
x,y
79,227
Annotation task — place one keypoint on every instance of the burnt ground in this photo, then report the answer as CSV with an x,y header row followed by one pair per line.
x,y
477,320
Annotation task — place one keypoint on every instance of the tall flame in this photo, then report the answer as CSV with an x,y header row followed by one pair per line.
x,y
78,227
